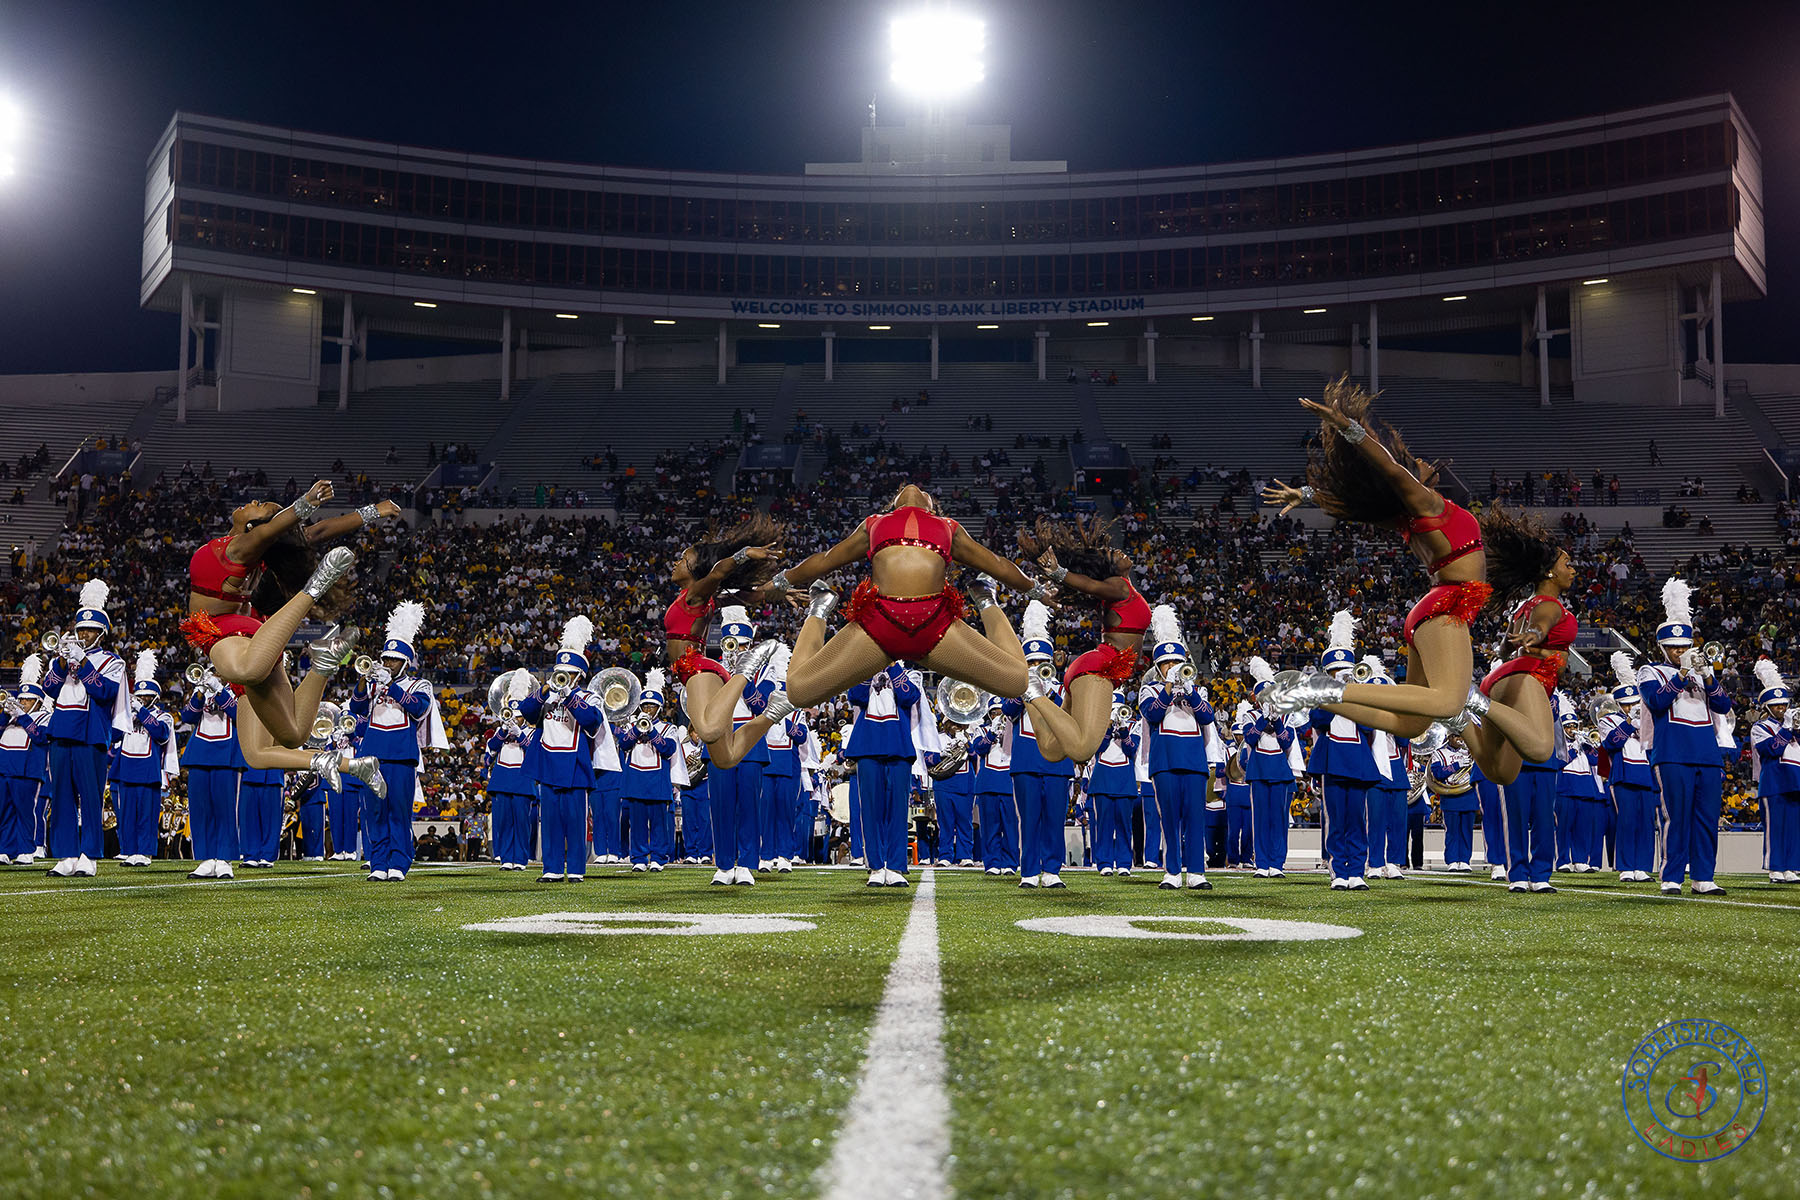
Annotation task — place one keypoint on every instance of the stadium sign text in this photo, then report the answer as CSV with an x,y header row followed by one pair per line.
x,y
937,309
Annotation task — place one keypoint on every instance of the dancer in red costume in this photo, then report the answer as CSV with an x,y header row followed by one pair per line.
x,y
906,609
266,564
1080,556
1365,473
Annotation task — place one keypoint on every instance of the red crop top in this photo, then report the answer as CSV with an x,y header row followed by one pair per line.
x,y
1456,523
680,618
1560,636
1133,612
211,573
910,526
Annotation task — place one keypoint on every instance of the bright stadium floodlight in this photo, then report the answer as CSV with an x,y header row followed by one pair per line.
x,y
936,54
12,132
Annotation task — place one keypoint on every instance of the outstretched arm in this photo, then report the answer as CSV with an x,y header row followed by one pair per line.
x,y
971,553
708,585
249,546
350,522
817,566
1420,500
1111,590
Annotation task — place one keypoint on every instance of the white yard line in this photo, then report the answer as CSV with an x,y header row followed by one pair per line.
x,y
896,1135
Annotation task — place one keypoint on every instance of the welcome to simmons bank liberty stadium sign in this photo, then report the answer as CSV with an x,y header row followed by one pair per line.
x,y
931,310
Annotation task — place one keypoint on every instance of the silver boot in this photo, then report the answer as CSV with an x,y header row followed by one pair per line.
x,y
1292,692
981,593
779,705
325,766
334,566
751,665
369,771
333,649
1474,709
821,600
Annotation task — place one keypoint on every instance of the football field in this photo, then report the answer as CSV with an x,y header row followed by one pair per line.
x,y
305,1032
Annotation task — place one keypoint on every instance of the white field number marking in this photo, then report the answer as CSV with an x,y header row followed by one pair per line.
x,y
659,924
1240,929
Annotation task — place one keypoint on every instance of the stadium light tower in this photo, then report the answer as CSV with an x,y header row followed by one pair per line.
x,y
936,54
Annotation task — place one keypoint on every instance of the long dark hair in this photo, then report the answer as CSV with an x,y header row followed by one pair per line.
x,y
1520,552
287,563
757,529
1346,484
1084,545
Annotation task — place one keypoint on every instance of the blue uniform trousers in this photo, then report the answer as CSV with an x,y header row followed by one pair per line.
x,y
648,824
886,786
1588,833
734,798
137,806
1153,829
259,822
1781,832
18,815
312,830
510,827
1493,823
1387,827
1565,830
1240,849
1528,806
1181,803
77,786
1270,804
1459,837
775,816
857,849
393,814
696,822
1691,798
343,812
999,830
1346,826
609,815
956,818
563,814
212,812
1112,830
1043,802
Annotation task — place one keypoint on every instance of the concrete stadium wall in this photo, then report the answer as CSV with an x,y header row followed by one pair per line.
x,y
55,391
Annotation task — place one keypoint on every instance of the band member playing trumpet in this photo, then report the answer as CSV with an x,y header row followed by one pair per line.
x,y
1182,732
1080,557
24,755
1112,787
883,747
144,762
996,813
1365,473
573,739
1274,764
214,764
88,686
1687,706
1631,778
1777,775
907,608
403,721
1040,776
266,564
649,752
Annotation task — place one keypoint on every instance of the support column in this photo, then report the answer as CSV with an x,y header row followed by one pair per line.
x,y
830,336
524,367
1543,349
1374,349
1717,305
1043,351
934,352
187,328
1256,341
346,344
1150,350
1525,335
505,354
724,353
618,354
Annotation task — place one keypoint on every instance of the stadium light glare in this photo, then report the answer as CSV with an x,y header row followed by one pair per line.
x,y
879,328
8,166
1591,282
12,121
767,325
936,54
1311,312
661,321
305,292
423,304
1098,324
1448,299
987,327
1199,318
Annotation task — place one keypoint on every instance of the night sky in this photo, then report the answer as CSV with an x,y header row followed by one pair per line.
x,y
766,86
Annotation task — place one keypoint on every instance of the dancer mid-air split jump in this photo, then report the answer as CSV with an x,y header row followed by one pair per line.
x,y
1365,473
906,609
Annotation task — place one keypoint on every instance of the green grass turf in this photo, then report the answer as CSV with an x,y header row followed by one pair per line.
x,y
304,1031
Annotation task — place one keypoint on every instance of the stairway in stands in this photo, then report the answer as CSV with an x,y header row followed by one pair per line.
x,y
62,429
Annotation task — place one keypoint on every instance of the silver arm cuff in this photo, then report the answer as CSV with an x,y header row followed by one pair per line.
x,y
1058,572
304,509
779,584
1307,493
1355,432
741,556
369,513
1038,592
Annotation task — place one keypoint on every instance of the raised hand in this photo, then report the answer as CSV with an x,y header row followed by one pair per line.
x,y
1290,498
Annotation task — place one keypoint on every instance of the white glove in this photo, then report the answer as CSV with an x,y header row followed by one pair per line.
x,y
70,650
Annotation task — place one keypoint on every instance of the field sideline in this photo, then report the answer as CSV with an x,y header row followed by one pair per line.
x,y
304,1032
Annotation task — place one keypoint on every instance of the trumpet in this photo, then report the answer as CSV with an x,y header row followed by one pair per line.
x,y
195,674
643,722
563,680
1045,671
325,724
346,724
50,641
1713,654
1122,714
364,665
1185,675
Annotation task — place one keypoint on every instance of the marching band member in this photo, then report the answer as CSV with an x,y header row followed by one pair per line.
x,y
1180,723
1080,557
696,800
145,763
1112,787
573,738
907,608
608,803
1564,808
1631,778
403,720
813,813
1274,764
89,687
1685,704
266,564
347,806
312,799
1388,797
883,748
259,816
1350,758
24,757
852,793
651,766
953,790
1529,815
509,786
780,795
1581,783
1040,782
1240,847
998,816
214,764
1777,765
1452,782
738,758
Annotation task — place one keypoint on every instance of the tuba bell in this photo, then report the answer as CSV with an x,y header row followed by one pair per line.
x,y
501,688
960,703
1605,706
618,690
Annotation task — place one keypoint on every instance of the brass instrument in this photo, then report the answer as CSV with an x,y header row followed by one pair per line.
x,y
696,765
732,644
195,674
363,664
347,725
1362,672
1605,706
1122,714
961,703
1045,671
643,722
1458,782
956,752
1186,674
1713,654
325,724
500,690
617,688
563,680
50,641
